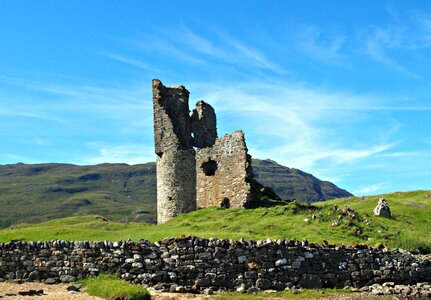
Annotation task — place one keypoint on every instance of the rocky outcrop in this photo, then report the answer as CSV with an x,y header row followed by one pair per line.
x,y
197,264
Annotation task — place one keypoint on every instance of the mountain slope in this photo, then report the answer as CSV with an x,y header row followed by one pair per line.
x,y
290,184
35,193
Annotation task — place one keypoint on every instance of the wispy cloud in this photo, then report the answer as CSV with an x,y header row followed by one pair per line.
x,y
130,61
257,58
164,47
67,97
366,190
200,43
409,33
379,42
324,50
131,153
185,46
301,132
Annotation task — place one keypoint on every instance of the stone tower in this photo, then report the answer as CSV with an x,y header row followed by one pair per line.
x,y
176,167
195,169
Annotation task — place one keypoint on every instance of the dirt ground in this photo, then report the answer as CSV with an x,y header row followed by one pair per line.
x,y
50,292
59,292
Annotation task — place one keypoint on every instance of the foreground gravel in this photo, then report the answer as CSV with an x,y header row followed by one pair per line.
x,y
59,292
50,292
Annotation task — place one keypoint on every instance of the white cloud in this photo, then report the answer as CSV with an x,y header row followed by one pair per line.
x,y
130,61
367,190
164,47
379,41
292,122
186,46
130,154
409,33
49,100
327,51
253,56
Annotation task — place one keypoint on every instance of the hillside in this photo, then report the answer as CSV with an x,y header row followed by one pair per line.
x,y
120,192
294,184
409,228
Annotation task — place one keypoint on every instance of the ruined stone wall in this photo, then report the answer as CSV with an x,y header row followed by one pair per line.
x,y
222,172
195,264
176,172
204,125
176,184
219,174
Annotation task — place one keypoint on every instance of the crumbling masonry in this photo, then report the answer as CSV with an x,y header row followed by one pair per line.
x,y
195,169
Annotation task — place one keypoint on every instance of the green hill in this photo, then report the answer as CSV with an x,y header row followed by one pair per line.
x,y
120,192
409,228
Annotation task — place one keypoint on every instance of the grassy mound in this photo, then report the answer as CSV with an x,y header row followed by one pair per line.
x,y
341,221
110,287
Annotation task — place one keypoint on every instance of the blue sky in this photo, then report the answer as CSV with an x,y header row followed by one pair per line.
x,y
340,89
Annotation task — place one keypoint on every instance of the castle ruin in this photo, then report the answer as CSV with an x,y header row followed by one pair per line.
x,y
195,168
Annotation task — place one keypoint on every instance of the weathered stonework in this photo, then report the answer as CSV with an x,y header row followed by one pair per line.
x,y
176,174
196,264
222,173
176,184
219,177
204,125
171,118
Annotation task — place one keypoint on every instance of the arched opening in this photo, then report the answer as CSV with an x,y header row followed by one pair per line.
x,y
209,167
225,203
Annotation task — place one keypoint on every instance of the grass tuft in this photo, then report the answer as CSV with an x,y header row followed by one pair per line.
x,y
111,287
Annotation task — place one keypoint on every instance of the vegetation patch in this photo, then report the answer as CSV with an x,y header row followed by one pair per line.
x,y
111,287
300,294
342,221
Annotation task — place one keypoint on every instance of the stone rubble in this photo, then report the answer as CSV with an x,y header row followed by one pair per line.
x,y
419,290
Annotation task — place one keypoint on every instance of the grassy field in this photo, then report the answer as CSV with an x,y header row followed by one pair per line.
x,y
409,228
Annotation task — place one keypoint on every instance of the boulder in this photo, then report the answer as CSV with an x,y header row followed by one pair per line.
x,y
382,209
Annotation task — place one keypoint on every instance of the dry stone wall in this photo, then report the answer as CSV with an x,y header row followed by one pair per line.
x,y
195,264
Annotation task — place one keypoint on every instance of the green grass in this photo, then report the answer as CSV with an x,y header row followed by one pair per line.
x,y
110,287
304,294
409,228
